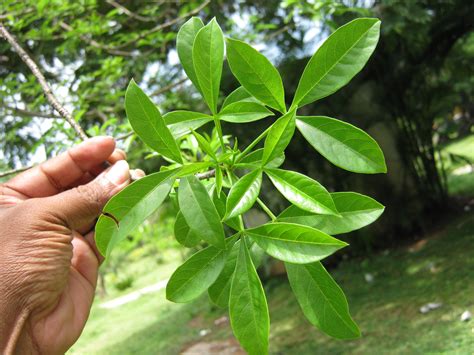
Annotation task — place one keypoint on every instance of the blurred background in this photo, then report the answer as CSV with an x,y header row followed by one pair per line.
x,y
408,277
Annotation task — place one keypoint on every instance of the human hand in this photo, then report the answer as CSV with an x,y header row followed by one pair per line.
x,y
48,259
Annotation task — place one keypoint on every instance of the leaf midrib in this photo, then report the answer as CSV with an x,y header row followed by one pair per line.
x,y
332,66
261,79
211,81
266,157
327,299
199,271
200,210
293,241
247,261
304,194
365,158
333,216
141,199
247,191
158,133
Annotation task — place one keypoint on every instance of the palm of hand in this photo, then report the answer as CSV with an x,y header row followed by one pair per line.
x,y
50,246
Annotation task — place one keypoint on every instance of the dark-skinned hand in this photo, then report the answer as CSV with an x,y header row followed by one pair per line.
x,y
48,259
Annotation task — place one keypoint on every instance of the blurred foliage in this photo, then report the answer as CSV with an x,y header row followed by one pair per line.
x,y
415,95
124,282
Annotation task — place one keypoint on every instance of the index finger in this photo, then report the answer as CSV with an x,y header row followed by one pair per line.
x,y
57,174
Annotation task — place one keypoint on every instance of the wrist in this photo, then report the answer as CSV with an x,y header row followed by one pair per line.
x,y
14,337
14,314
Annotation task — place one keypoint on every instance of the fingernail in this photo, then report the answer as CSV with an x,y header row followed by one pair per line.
x,y
99,138
118,173
136,174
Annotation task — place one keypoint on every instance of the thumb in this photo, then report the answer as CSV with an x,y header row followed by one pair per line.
x,y
81,205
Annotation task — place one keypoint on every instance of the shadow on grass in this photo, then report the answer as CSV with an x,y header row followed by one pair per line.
x,y
149,325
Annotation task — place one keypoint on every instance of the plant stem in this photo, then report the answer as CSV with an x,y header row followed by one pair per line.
x,y
230,175
206,175
266,209
251,145
241,222
217,123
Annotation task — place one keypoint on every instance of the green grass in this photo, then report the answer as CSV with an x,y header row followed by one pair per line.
x,y
463,147
455,155
461,185
148,325
437,269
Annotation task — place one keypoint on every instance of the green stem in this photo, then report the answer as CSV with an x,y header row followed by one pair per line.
x,y
230,175
251,145
217,123
266,209
241,222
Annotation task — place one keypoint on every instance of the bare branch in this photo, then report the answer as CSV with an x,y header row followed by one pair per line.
x,y
14,171
27,113
272,35
165,25
124,136
168,87
42,80
130,13
206,175
96,44
97,113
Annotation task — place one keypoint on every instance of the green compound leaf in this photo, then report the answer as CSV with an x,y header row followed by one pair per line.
x,y
148,124
199,211
195,276
278,137
183,234
304,192
208,57
130,207
219,291
322,300
243,194
256,74
294,243
356,210
343,144
184,46
243,112
181,123
338,60
239,94
248,308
